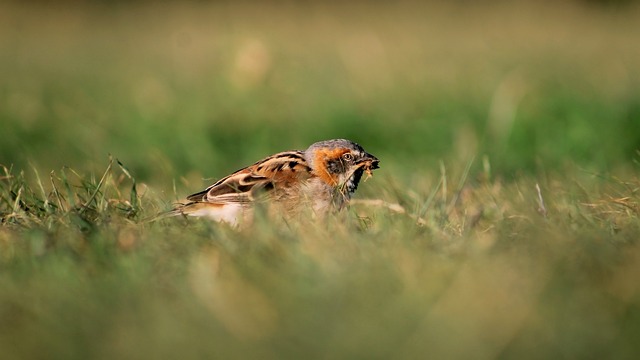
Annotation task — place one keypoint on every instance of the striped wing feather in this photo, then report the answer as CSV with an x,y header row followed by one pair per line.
x,y
244,185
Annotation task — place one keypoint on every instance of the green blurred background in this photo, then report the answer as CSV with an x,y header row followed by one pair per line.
x,y
205,87
541,94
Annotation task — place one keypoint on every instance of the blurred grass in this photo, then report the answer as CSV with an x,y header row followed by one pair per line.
x,y
174,88
469,107
486,275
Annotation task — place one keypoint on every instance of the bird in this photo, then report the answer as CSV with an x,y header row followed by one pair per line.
x,y
321,179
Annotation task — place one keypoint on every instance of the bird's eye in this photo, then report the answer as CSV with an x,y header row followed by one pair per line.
x,y
347,157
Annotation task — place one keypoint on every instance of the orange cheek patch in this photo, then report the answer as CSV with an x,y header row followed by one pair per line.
x,y
320,163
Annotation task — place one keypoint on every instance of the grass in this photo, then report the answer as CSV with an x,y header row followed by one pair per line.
x,y
503,222
83,277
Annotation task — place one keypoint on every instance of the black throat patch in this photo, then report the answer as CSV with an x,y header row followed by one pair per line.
x,y
353,181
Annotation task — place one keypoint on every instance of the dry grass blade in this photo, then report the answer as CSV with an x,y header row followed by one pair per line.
x,y
16,202
98,187
541,208
56,192
45,198
133,197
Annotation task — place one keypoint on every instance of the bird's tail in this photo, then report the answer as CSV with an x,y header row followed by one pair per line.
x,y
176,211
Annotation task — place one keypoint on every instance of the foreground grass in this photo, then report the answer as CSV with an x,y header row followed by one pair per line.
x,y
464,266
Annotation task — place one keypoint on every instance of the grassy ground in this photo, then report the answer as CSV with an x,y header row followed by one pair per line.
x,y
503,222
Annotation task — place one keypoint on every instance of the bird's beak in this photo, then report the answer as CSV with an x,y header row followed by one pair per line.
x,y
369,162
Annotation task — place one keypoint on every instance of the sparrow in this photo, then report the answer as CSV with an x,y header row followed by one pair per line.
x,y
321,178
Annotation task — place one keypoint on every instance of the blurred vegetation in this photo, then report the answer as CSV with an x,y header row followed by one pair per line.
x,y
177,88
503,221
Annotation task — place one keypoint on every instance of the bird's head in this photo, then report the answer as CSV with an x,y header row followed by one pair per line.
x,y
340,163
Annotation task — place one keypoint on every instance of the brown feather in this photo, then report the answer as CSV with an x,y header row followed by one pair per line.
x,y
245,184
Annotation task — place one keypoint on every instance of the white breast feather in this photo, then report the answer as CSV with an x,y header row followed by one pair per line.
x,y
229,213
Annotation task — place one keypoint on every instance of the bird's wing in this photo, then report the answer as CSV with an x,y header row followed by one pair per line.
x,y
244,185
